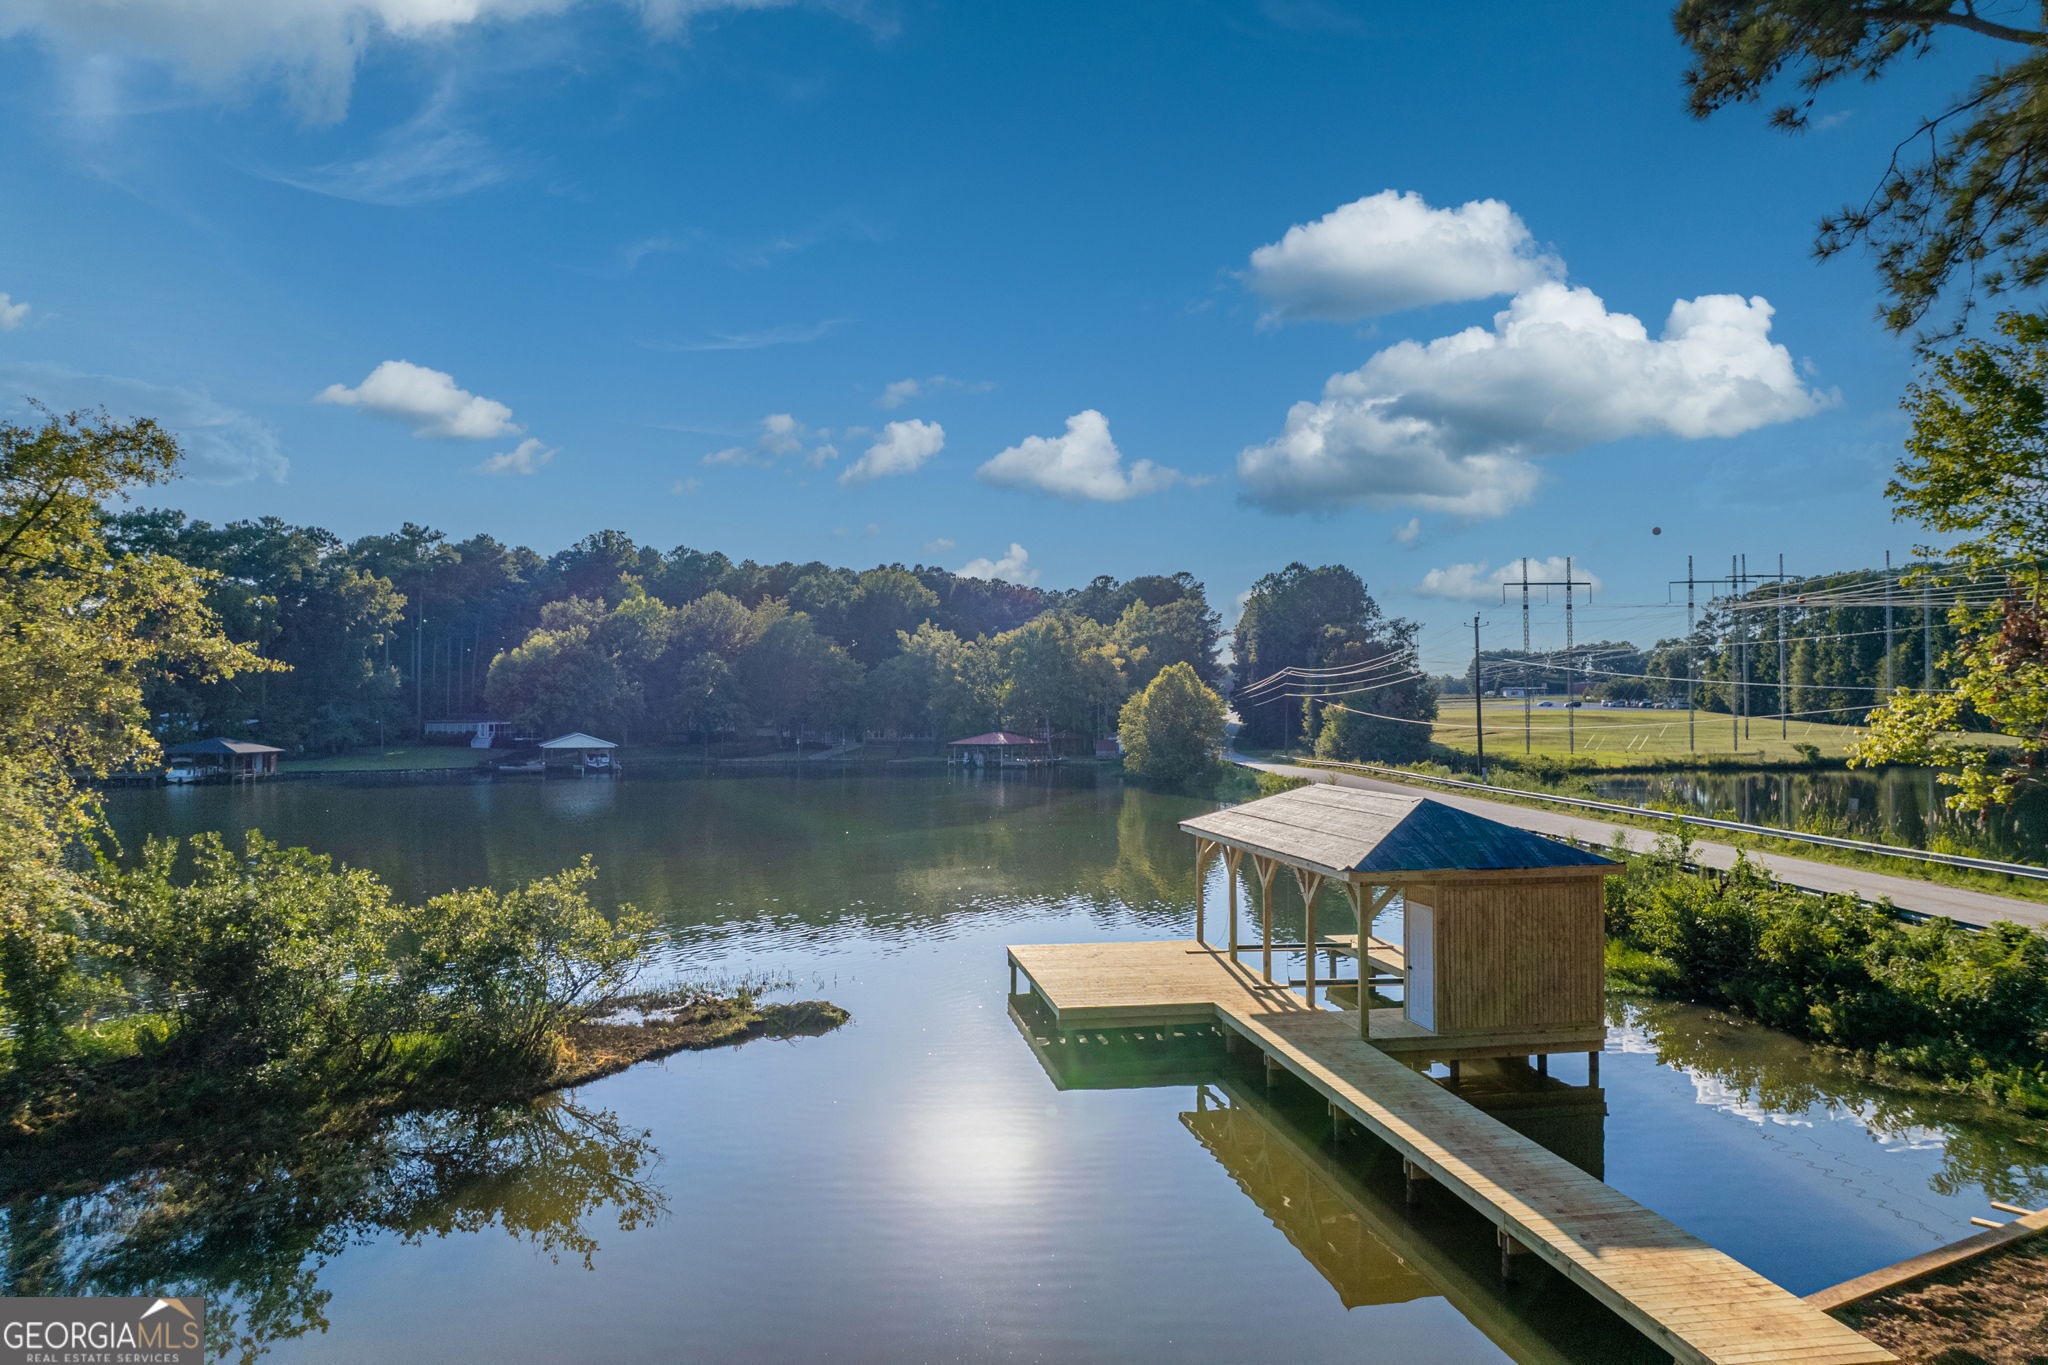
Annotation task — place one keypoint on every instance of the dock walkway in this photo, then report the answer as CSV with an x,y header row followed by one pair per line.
x,y
1696,1302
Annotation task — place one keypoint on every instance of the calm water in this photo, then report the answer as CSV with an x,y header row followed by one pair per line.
x,y
917,1186
1889,805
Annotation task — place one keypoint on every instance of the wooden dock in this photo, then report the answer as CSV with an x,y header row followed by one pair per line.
x,y
1696,1302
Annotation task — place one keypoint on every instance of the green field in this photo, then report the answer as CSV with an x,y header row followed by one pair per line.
x,y
1621,736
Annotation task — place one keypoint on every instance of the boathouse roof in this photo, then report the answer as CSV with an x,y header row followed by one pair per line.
x,y
223,746
1343,830
578,740
999,737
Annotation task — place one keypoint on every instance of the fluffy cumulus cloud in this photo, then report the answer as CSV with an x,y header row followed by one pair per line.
x,y
12,314
899,449
428,401
222,444
1455,425
1477,582
528,457
311,47
1084,465
1013,567
782,437
1392,251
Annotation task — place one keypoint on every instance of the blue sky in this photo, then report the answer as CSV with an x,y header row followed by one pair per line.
x,y
537,267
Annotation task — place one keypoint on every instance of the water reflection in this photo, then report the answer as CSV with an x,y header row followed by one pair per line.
x,y
1338,1197
1770,1077
1889,805
250,1229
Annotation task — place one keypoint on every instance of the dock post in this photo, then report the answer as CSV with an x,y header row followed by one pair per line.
x,y
1509,1250
1592,1068
1310,883
1413,1177
1266,868
1013,977
1202,847
1543,1064
1230,861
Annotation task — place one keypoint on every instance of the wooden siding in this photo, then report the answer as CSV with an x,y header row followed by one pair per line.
x,y
1519,955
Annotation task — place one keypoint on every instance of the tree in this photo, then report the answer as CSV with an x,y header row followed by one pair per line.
x,y
1059,672
796,679
83,633
1977,466
1172,731
1966,194
1319,618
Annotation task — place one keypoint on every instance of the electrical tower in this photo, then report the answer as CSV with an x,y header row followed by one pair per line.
x,y
1568,582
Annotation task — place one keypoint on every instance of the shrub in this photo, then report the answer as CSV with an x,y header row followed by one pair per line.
x,y
1172,731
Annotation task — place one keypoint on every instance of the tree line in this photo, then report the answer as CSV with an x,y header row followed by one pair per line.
x,y
384,633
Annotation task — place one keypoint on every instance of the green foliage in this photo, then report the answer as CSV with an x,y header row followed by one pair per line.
x,y
1272,784
270,962
1324,618
1966,199
1968,1008
1974,467
1173,730
88,634
508,972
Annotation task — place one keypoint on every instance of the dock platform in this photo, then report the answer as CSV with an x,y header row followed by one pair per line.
x,y
1690,1299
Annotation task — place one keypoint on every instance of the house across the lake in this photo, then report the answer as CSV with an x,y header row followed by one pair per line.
x,y
481,731
208,759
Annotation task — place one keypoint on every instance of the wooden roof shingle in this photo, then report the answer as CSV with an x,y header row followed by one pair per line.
x,y
1341,830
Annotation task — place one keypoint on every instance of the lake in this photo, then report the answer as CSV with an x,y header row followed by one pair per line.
x,y
1903,805
915,1186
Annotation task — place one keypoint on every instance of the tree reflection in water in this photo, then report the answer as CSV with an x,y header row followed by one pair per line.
x,y
1982,1147
250,1230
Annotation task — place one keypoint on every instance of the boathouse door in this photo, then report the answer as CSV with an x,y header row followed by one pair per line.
x,y
1420,922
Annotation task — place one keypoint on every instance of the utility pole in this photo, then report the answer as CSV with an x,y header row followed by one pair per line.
x,y
1927,635
1525,655
1736,698
1567,583
1784,682
1478,718
1735,645
1888,683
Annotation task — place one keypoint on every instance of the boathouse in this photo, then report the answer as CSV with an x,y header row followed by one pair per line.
x,y
235,758
1502,948
998,747
577,749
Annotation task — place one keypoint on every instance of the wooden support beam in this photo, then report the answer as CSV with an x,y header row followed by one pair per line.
x,y
1265,868
1310,883
1509,1250
1231,858
1204,850
1413,1178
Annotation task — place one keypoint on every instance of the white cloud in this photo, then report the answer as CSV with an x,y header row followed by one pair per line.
x,y
1477,582
525,458
426,158
1013,567
683,487
12,314
938,545
788,334
426,400
1454,425
900,449
901,391
782,436
310,47
1391,251
1084,464
221,444
1408,532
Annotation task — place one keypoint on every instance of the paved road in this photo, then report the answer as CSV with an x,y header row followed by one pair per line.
x,y
1910,894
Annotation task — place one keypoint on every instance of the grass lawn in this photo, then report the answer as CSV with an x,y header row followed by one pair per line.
x,y
388,760
1618,737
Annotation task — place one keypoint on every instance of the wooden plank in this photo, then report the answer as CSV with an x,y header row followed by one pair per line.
x,y
1698,1303
1928,1262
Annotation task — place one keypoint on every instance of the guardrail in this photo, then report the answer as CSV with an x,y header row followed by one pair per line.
x,y
2026,870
